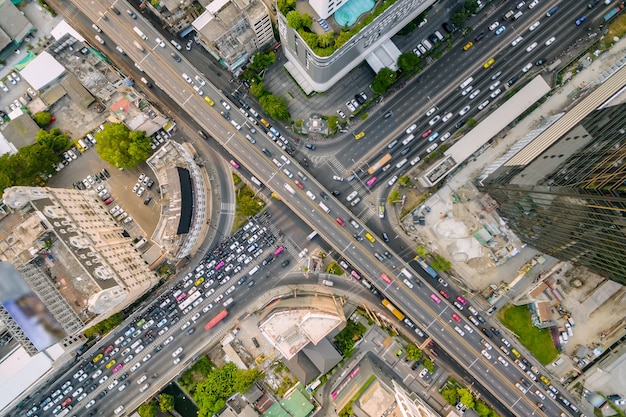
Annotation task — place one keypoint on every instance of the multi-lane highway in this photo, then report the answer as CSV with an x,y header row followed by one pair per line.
x,y
435,317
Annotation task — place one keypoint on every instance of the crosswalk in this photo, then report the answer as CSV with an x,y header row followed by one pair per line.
x,y
227,208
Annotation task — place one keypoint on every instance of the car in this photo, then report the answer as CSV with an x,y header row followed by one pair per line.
x,y
176,57
189,43
426,133
504,362
15,76
198,90
340,221
110,364
131,14
411,128
467,90
176,44
500,30
463,111
540,62
431,111
527,67
11,79
99,356
90,404
495,93
517,41
445,136
135,367
534,26
531,46
482,105
341,114
489,63
456,317
103,379
468,46
494,25
580,20
160,42
458,305
550,41
99,39
350,106
494,85
533,4
473,95
444,294
485,354
446,117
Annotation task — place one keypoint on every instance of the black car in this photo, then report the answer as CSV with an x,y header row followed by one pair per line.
x,y
92,387
487,332
324,195
103,394
479,37
150,184
147,200
106,173
336,193
415,365
285,263
513,80
267,153
191,331
117,12
495,331
176,57
593,4
255,342
359,99
158,348
449,27
460,123
202,135
540,62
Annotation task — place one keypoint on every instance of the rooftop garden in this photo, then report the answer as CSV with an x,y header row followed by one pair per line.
x,y
326,43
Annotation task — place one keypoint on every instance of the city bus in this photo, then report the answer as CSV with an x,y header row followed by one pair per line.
x,y
189,300
215,320
378,165
397,313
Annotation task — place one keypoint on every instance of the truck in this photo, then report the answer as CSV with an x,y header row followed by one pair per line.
x,y
215,320
140,33
324,207
138,46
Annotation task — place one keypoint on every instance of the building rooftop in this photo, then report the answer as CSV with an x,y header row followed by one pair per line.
x,y
42,70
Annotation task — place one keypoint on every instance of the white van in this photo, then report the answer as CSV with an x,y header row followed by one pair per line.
x,y
324,207
427,44
140,33
401,163
438,35
254,270
466,82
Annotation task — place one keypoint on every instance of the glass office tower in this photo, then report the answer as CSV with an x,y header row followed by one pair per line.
x,y
569,201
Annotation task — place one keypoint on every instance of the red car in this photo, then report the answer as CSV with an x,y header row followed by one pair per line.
x,y
428,132
340,221
456,317
299,184
108,201
108,349
445,294
67,402
434,353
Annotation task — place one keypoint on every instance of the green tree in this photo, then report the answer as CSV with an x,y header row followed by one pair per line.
x,y
471,6
429,365
413,353
53,139
257,89
466,397
408,62
42,118
459,17
285,6
148,409
307,20
262,61
471,122
244,378
310,38
105,325
394,196
450,395
122,148
326,39
404,181
482,409
343,37
383,80
294,19
276,107
166,402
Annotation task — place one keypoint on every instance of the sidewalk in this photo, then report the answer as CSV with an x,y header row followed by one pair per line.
x,y
461,184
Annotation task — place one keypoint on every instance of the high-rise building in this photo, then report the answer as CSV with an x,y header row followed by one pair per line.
x,y
70,251
318,69
234,30
567,197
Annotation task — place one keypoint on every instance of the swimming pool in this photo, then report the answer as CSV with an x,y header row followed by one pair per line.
x,y
348,14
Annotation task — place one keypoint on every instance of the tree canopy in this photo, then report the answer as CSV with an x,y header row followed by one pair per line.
x,y
122,148
166,402
275,106
413,353
408,62
42,118
383,80
148,409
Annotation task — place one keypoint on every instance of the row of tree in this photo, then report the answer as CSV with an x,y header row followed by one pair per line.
x,y
454,395
166,403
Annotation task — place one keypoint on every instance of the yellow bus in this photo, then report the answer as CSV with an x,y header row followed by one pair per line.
x,y
393,309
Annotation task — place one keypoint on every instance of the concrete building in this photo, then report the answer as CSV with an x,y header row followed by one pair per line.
x,y
14,27
319,73
563,193
75,256
233,30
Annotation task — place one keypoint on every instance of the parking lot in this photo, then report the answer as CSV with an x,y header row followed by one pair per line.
x,y
119,186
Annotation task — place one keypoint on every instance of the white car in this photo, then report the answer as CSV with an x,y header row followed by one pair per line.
x,y
464,110
467,90
160,42
411,128
496,93
120,50
505,363
494,85
446,117
99,39
434,120
90,404
186,78
550,41
113,384
177,352
104,378
533,4
225,105
527,67
198,90
516,41
341,114
168,341
431,148
534,26
494,25
483,105
140,191
15,76
135,367
350,106
445,136
146,358
474,94
200,81
531,46
431,111
485,354
176,44
207,308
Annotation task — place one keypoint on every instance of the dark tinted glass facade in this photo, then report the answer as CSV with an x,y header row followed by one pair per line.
x,y
570,201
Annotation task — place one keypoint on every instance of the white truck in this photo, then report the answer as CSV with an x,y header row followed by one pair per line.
x,y
140,33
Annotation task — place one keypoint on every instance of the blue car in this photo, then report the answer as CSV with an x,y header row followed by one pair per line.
x,y
580,20
500,29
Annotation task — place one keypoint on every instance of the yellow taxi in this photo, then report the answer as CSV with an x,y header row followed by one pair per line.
x,y
468,46
208,100
111,363
489,63
359,135
98,357
199,281
370,237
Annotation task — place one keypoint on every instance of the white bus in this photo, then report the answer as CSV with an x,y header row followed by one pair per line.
x,y
406,273
189,300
